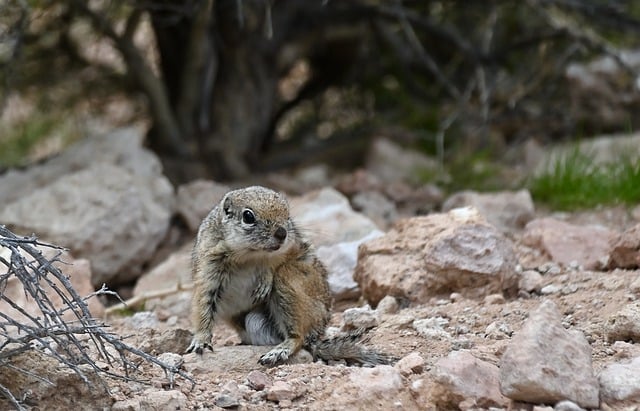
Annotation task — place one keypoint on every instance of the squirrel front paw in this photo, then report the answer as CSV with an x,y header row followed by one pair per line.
x,y
276,356
198,345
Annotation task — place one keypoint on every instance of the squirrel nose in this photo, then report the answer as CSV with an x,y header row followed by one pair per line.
x,y
280,234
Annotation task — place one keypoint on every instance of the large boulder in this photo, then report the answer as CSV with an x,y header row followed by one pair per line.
x,y
121,147
104,213
440,253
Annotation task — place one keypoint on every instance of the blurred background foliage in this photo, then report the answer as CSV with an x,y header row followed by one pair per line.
x,y
232,87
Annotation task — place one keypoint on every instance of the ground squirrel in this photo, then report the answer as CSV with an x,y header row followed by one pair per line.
x,y
253,269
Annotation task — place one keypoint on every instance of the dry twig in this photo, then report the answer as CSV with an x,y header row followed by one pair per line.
x,y
60,338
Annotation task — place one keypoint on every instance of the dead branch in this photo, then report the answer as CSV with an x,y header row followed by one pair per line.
x,y
48,331
138,300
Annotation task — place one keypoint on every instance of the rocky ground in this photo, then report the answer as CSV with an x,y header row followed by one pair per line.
x,y
487,302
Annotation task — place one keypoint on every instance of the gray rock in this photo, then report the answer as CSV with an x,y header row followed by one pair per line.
x,y
625,324
432,328
229,396
567,244
341,260
104,213
620,382
171,359
359,317
603,92
172,273
426,256
326,217
143,319
498,330
376,206
172,340
195,200
460,377
550,289
388,305
567,406
530,281
390,162
121,148
545,363
506,210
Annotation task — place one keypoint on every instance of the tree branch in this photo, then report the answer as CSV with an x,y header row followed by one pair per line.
x,y
152,86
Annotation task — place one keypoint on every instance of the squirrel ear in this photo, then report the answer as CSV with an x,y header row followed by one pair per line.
x,y
226,204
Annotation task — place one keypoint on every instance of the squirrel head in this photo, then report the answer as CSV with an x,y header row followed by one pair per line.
x,y
256,223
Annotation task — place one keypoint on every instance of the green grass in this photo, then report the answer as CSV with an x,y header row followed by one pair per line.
x,y
15,147
18,142
575,181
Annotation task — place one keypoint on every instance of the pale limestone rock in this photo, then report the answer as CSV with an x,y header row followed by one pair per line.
x,y
280,391
336,231
462,378
172,273
359,317
104,213
506,210
163,400
620,382
196,199
545,363
625,324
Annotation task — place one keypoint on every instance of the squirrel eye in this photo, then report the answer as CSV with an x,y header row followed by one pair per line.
x,y
248,217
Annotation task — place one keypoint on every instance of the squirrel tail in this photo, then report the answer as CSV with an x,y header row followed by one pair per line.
x,y
348,347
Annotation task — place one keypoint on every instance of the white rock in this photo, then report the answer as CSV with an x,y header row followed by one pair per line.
x,y
337,231
340,260
388,305
620,382
432,328
625,324
359,317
